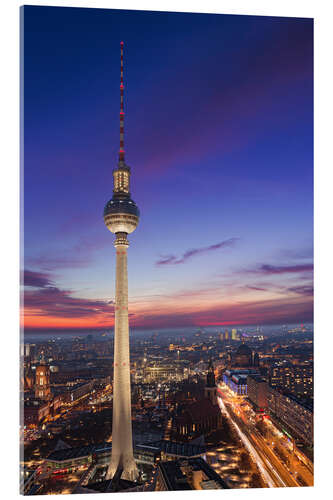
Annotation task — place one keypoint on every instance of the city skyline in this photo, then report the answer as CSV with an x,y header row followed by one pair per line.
x,y
229,161
182,389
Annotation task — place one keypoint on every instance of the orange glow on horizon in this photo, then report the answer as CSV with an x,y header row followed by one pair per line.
x,y
177,314
31,321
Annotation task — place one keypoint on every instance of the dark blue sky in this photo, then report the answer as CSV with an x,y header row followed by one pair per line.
x,y
219,135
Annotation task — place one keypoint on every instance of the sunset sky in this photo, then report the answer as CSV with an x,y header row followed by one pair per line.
x,y
219,137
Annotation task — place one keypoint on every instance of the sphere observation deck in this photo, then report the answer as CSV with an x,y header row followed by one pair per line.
x,y
121,215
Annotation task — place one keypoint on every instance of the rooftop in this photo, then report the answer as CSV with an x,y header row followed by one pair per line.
x,y
81,451
61,454
175,477
202,409
35,403
244,349
257,378
174,448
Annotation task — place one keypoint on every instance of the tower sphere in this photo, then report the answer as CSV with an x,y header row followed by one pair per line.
x,y
121,215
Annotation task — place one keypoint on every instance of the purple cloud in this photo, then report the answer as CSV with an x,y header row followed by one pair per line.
x,y
172,259
35,279
302,290
266,269
48,300
52,301
256,288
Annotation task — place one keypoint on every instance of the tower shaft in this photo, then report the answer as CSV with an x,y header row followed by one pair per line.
x,y
122,446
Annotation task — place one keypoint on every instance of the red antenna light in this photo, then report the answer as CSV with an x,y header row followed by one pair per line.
x,y
121,150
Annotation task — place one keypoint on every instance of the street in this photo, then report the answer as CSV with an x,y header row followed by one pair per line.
x,y
273,469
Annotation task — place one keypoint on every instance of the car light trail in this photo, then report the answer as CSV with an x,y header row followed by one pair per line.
x,y
251,449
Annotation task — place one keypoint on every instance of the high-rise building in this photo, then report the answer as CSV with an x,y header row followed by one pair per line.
x,y
121,216
281,375
226,335
257,390
303,379
234,334
297,379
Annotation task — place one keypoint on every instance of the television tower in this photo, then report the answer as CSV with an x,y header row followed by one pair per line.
x,y
121,216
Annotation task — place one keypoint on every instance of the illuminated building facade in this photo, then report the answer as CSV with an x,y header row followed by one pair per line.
x,y
291,413
303,379
121,216
236,380
42,382
295,378
281,374
35,410
162,372
257,391
79,391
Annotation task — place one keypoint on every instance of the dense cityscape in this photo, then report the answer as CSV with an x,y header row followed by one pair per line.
x,y
235,404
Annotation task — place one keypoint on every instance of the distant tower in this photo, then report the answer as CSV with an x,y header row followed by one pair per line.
x,y
210,389
42,381
121,216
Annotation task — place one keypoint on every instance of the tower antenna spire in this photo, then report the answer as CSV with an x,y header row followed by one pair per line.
x,y
121,149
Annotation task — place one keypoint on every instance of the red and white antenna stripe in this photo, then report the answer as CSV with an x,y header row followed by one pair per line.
x,y
122,150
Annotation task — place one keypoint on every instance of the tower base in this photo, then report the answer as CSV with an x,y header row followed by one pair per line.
x,y
130,470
